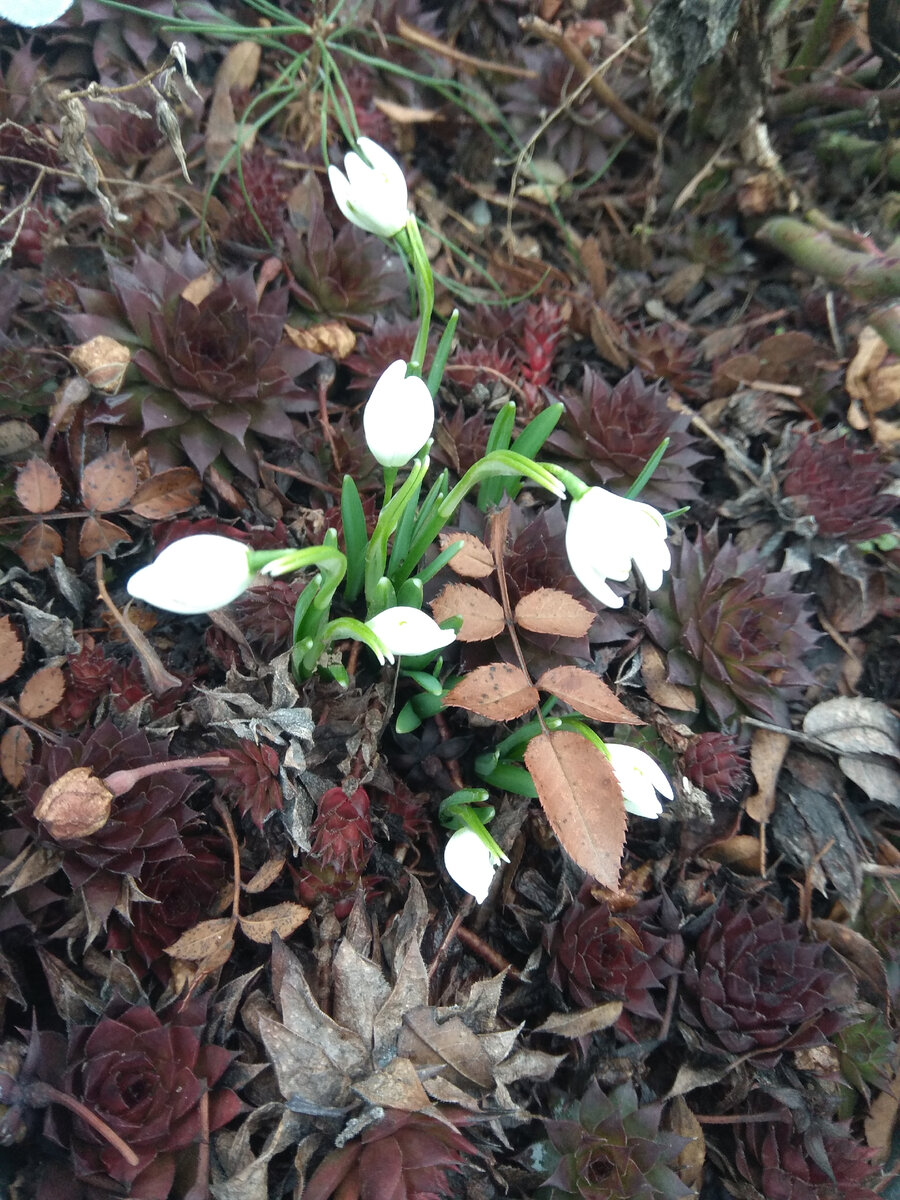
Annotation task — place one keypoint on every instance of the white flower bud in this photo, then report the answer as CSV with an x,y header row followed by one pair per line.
x,y
373,197
195,574
398,417
470,863
605,533
406,630
640,777
32,13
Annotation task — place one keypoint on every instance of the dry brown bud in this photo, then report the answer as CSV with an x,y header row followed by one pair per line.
x,y
75,805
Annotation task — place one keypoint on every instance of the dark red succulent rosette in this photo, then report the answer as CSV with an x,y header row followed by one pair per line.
x,y
841,486
145,1075
145,825
754,985
598,955
715,762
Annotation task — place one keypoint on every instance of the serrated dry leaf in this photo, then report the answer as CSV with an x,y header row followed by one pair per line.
x,y
99,536
767,751
333,338
102,361
583,1023
397,1086
266,875
11,650
691,1160
498,691
281,918
473,561
109,482
40,545
548,610
588,694
16,753
174,491
579,793
203,940
667,695
38,486
454,1043
482,616
41,694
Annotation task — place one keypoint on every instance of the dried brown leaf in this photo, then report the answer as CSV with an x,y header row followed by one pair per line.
x,y
550,611
75,805
482,616
454,1043
102,361
170,492
109,482
99,536
397,1086
583,1023
266,875
40,545
38,486
17,438
767,751
855,725
281,918
690,1162
16,752
11,650
473,561
588,694
583,802
205,939
42,692
667,695
333,338
498,691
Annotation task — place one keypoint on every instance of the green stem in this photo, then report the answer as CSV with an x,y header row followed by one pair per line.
x,y
410,239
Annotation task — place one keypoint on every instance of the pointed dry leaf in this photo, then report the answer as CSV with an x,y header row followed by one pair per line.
x,y
16,753
454,1042
333,338
855,725
74,805
482,616
168,493
266,875
583,802
102,361
11,650
583,1023
498,691
205,939
99,536
550,611
39,547
397,1086
667,695
109,481
587,694
42,692
473,561
690,1162
282,919
767,751
38,486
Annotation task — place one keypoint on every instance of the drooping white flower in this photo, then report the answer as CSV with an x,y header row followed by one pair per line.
x,y
373,197
195,574
470,863
405,630
605,533
32,13
399,416
640,777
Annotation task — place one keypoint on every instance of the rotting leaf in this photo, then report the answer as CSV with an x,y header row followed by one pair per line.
x,y
473,561
11,650
203,940
99,536
109,482
855,725
482,616
333,338
281,918
667,695
587,693
38,486
174,491
498,691
43,691
583,1023
550,611
582,799
40,545
767,751
16,753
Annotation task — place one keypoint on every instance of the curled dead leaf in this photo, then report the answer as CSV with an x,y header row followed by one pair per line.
x,y
40,545
667,695
333,338
282,919
75,805
767,751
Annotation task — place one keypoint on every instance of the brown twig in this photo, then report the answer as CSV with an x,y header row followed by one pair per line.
x,y
38,729
495,960
159,680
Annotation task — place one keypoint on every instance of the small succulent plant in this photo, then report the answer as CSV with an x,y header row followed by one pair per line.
x,y
841,486
612,1148
251,780
341,843
753,985
599,955
209,374
145,825
715,762
145,1076
732,631
403,1156
611,432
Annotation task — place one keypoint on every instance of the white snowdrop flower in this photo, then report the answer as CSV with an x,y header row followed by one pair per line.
x,y
373,197
605,533
193,575
398,417
640,777
470,863
405,630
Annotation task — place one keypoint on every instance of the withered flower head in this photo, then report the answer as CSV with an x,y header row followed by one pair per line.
x,y
404,1156
612,1148
145,1076
599,955
841,486
732,630
211,372
611,432
753,985
143,826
